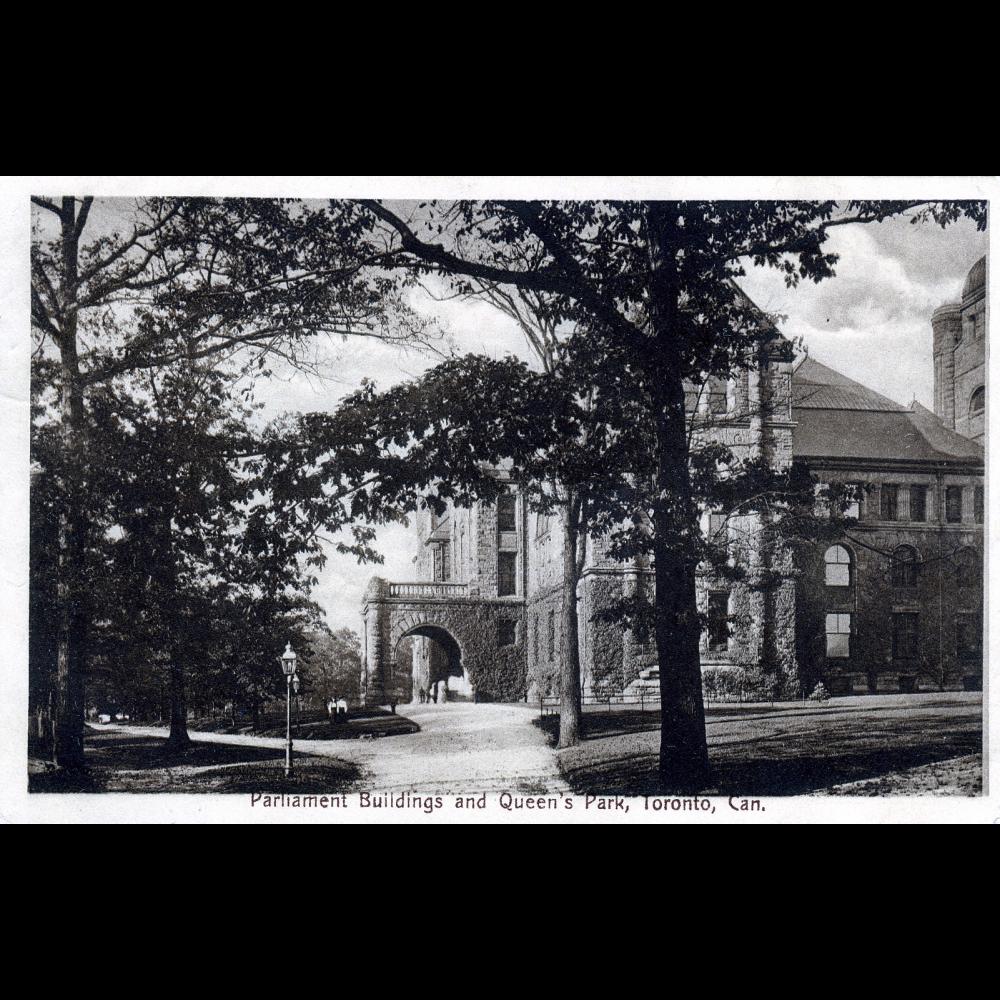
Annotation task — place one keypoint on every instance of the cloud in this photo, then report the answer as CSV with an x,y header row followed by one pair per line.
x,y
872,321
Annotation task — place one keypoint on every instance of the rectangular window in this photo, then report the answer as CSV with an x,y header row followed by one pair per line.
x,y
506,574
953,504
905,636
552,636
978,505
718,620
717,401
853,508
838,636
506,632
506,512
718,528
534,644
890,502
968,638
918,503
442,562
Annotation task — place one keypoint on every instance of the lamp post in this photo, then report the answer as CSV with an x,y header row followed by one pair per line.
x,y
288,666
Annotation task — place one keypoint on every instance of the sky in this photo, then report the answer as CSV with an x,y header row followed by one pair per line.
x,y
871,322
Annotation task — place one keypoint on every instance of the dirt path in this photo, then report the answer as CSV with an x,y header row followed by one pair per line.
x,y
461,748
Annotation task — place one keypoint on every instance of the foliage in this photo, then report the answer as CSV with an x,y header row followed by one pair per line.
x,y
819,693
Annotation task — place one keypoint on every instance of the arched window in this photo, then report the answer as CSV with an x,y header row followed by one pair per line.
x,y
905,563
838,566
966,569
978,402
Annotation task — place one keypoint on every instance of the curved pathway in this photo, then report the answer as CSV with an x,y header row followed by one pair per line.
x,y
461,748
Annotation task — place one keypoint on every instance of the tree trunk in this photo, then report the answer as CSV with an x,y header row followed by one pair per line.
x,y
176,641
67,741
684,766
178,702
569,668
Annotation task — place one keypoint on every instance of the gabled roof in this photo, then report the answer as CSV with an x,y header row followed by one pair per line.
x,y
837,417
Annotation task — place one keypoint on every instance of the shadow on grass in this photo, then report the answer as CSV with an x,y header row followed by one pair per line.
x,y
117,763
791,755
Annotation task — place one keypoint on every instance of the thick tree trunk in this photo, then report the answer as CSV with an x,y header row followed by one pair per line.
x,y
67,736
684,766
569,668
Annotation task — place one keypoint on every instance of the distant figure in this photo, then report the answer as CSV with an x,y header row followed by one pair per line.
x,y
423,696
342,710
331,709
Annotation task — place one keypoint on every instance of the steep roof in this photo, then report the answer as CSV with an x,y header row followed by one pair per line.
x,y
817,387
837,417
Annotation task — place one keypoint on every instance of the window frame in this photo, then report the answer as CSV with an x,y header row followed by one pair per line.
x,y
978,393
889,490
503,501
505,556
905,572
506,628
719,622
908,637
849,562
950,492
838,617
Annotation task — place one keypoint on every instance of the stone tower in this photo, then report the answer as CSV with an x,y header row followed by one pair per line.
x,y
960,357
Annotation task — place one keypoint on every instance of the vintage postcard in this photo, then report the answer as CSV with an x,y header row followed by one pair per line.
x,y
459,499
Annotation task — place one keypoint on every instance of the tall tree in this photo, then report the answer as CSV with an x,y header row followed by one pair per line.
x,y
235,281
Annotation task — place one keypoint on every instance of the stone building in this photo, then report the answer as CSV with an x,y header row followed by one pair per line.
x,y
896,606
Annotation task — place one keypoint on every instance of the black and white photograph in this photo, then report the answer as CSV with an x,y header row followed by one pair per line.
x,y
507,500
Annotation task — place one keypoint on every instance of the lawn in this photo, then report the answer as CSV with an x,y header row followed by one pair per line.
x,y
877,746
313,725
120,763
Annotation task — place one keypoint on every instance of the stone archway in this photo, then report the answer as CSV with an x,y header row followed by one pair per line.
x,y
436,672
466,626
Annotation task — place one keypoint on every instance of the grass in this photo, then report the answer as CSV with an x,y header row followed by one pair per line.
x,y
789,749
121,763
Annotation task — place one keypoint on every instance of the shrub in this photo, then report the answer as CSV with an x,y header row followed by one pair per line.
x,y
819,693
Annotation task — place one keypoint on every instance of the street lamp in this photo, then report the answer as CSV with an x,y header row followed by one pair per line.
x,y
288,666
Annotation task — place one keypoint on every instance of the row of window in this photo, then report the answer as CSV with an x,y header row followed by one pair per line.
x,y
905,567
890,507
905,636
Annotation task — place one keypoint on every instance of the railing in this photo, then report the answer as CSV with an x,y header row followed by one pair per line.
x,y
426,590
549,704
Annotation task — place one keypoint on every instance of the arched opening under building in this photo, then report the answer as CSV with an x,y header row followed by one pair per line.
x,y
427,667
